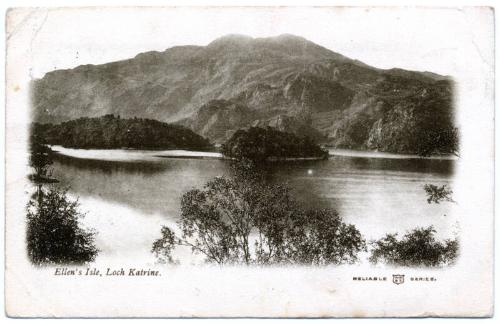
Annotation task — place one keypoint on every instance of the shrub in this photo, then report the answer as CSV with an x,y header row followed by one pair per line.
x,y
437,194
418,247
54,234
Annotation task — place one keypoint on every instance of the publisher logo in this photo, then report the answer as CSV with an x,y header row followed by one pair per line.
x,y
398,279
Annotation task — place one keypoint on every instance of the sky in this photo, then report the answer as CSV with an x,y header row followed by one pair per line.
x,y
411,38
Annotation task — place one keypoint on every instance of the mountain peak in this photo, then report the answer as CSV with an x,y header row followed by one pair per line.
x,y
274,46
287,37
231,39
245,39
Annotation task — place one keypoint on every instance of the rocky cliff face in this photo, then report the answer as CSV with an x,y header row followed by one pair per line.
x,y
235,82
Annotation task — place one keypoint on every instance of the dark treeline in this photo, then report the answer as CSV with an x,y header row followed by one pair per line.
x,y
54,232
111,131
261,144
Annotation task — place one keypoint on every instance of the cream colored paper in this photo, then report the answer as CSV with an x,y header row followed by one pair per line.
x,y
447,41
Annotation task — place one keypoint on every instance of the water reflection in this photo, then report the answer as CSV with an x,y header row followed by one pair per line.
x,y
146,167
377,194
151,187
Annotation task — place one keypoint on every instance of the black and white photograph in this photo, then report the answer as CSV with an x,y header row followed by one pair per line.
x,y
249,162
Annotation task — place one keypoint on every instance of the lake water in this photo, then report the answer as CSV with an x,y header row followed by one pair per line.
x,y
128,200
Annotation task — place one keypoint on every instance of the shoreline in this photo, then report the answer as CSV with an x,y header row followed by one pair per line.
x,y
387,155
148,155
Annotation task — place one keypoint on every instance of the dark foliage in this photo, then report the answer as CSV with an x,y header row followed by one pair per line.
x,y
418,247
109,132
242,220
437,194
40,161
432,130
54,235
264,144
437,141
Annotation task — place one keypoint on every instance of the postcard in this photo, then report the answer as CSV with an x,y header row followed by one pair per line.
x,y
249,162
